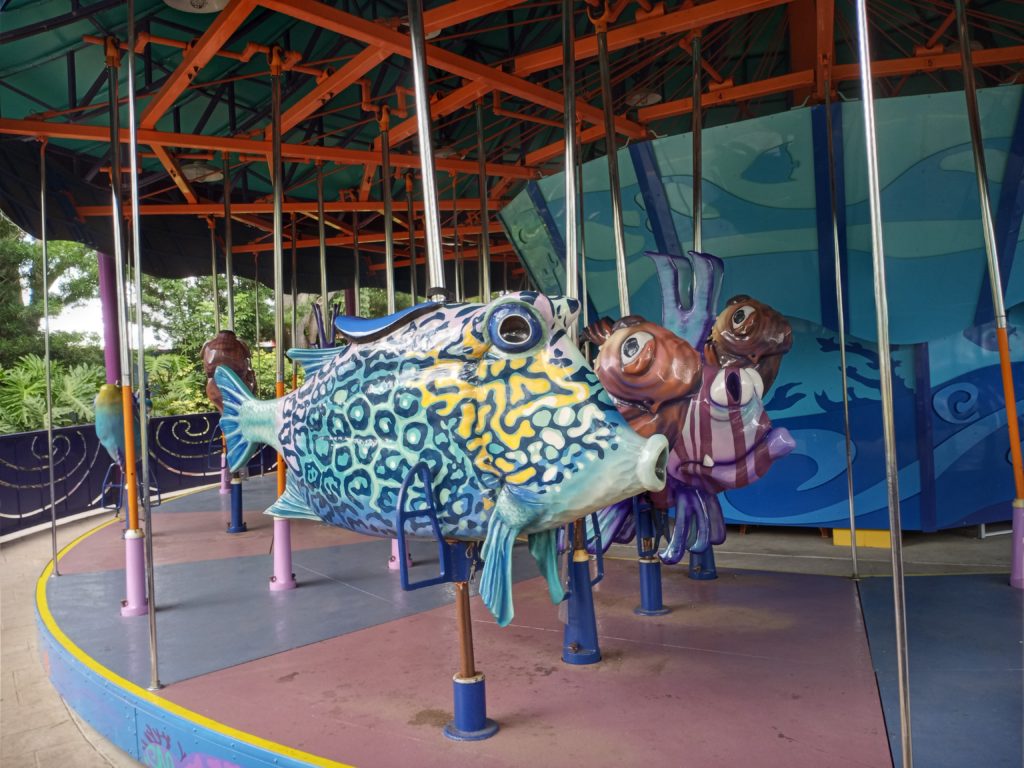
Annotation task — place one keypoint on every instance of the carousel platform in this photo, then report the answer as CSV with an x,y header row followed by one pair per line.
x,y
772,669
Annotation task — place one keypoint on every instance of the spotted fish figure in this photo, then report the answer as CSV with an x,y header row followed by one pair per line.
x,y
518,433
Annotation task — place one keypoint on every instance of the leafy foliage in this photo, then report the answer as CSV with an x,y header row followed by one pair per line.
x,y
23,394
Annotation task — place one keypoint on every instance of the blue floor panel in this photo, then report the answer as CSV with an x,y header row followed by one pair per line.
x,y
218,613
966,674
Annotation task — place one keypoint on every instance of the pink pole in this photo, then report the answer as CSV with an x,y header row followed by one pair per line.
x,y
1017,555
283,577
393,561
135,575
108,307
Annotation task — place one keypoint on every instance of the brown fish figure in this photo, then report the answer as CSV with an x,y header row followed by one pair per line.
x,y
228,350
749,334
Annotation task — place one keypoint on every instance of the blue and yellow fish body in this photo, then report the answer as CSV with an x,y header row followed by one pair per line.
x,y
518,433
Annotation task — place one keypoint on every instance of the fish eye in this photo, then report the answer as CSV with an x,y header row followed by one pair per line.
x,y
633,345
515,327
741,315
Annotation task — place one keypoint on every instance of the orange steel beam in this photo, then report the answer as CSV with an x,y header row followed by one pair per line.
x,y
803,42
364,238
781,84
174,171
557,148
297,152
672,23
393,41
289,206
454,101
462,11
195,58
333,84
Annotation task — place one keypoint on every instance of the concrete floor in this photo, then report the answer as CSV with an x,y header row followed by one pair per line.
x,y
37,729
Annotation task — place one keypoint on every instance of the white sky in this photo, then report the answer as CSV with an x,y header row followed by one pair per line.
x,y
88,318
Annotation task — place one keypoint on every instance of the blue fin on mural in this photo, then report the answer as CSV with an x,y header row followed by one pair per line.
x,y
358,330
544,548
312,360
291,504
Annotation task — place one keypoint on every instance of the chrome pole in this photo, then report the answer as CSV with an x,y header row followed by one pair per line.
x,y
356,266
295,298
584,285
611,151
885,381
321,232
214,287
117,194
385,189
256,302
485,237
571,220
278,224
431,216
133,156
229,262
697,120
992,254
413,266
460,274
46,350
842,328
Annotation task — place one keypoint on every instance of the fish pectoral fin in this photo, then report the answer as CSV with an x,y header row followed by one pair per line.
x,y
544,548
292,505
312,360
496,578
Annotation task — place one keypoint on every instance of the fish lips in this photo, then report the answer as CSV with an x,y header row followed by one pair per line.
x,y
726,475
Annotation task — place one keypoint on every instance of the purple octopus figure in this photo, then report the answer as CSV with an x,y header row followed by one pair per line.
x,y
699,380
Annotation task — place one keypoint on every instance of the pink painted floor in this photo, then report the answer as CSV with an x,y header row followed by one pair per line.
x,y
753,669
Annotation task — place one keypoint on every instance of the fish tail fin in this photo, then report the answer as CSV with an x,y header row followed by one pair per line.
x,y
246,421
544,548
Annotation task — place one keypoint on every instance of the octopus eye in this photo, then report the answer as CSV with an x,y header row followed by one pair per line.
x,y
742,315
633,346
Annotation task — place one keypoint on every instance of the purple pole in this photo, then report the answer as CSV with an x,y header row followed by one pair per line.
x,y
1017,566
283,577
108,305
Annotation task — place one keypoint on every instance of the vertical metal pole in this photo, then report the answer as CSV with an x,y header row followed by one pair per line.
x,y
885,380
842,329
571,216
485,236
995,282
413,266
295,301
460,274
322,234
431,215
133,155
46,350
256,303
283,578
601,25
697,121
229,261
356,266
385,190
214,287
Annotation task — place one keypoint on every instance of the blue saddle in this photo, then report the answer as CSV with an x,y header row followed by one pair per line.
x,y
359,330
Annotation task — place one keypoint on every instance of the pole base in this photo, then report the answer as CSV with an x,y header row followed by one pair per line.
x,y
394,562
650,589
571,655
641,611
134,610
702,565
470,722
282,585
136,603
237,528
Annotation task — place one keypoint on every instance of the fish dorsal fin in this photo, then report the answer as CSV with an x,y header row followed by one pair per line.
x,y
312,360
291,504
358,330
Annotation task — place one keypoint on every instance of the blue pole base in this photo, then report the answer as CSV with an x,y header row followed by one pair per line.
x,y
650,588
471,722
237,524
702,565
579,643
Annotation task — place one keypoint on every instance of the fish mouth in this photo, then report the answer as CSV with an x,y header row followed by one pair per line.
x,y
651,468
776,443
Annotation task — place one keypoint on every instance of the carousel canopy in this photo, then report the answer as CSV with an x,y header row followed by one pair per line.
x,y
203,84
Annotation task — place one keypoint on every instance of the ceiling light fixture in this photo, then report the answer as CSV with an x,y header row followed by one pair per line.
x,y
197,6
642,97
201,172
